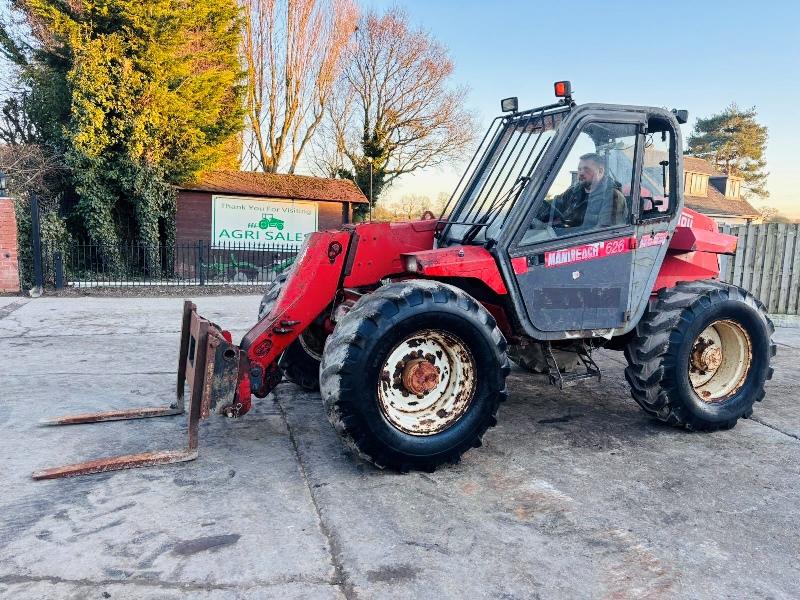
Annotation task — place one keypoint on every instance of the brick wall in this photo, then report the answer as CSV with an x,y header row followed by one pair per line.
x,y
9,267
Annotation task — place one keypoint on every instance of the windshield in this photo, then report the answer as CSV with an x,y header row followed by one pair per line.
x,y
498,173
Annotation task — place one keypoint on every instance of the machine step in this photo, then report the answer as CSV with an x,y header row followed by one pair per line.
x,y
562,380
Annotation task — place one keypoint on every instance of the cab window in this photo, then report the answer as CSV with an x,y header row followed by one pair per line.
x,y
657,190
592,190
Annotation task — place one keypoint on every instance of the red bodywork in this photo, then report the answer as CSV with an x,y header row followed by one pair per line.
x,y
694,250
328,262
359,257
472,262
313,284
378,249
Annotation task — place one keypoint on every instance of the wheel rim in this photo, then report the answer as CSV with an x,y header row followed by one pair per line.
x,y
720,361
427,382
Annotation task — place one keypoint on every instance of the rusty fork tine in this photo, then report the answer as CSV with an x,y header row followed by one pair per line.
x,y
117,463
144,412
197,409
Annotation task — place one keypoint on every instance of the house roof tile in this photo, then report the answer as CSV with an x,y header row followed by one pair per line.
x,y
296,187
699,165
717,204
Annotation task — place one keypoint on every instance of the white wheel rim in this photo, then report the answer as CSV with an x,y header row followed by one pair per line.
x,y
427,382
720,361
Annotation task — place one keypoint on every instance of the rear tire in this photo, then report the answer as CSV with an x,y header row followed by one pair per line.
x,y
367,360
700,355
300,361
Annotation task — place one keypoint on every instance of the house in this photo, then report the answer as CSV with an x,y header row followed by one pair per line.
x,y
261,209
715,194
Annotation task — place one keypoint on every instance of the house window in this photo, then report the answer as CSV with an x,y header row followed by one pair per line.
x,y
696,184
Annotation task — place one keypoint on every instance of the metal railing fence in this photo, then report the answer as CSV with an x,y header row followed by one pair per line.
x,y
134,264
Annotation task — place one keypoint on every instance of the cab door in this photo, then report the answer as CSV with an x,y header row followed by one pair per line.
x,y
578,268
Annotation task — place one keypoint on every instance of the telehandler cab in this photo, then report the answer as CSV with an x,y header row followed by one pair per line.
x,y
567,233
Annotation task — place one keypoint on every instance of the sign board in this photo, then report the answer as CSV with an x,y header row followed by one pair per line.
x,y
261,222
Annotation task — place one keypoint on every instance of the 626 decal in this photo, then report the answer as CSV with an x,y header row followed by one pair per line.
x,y
584,252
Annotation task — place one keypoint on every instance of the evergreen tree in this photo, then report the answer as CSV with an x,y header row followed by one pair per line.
x,y
137,96
735,142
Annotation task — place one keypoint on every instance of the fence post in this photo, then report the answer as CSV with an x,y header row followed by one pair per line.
x,y
36,239
201,275
58,267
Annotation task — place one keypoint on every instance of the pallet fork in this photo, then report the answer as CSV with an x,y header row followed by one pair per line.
x,y
208,361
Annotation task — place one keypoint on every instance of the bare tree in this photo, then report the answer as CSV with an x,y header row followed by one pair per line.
x,y
770,214
410,207
292,50
31,168
767,212
395,110
16,126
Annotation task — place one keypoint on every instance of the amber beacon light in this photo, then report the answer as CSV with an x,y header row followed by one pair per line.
x,y
563,89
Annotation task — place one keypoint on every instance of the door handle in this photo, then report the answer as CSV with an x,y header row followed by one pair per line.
x,y
535,260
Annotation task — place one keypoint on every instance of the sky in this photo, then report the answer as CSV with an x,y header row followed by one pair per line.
x,y
700,56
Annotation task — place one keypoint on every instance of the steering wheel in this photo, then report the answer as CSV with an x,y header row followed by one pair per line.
x,y
555,212
565,222
545,222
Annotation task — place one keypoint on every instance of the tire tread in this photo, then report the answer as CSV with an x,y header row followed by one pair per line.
x,y
650,353
375,313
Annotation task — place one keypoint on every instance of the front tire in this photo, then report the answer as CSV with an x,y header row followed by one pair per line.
x,y
413,376
700,355
300,361
271,294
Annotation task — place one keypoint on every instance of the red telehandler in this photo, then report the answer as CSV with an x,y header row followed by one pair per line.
x,y
567,233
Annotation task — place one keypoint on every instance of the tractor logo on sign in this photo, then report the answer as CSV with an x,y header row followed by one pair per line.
x,y
268,221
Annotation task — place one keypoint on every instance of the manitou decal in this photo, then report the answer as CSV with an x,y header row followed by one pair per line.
x,y
653,240
686,220
585,252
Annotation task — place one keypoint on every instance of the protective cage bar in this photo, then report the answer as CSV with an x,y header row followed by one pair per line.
x,y
501,166
200,340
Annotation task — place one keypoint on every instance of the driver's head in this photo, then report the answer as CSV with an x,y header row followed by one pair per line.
x,y
591,170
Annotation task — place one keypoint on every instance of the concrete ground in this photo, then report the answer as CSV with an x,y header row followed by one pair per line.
x,y
573,495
